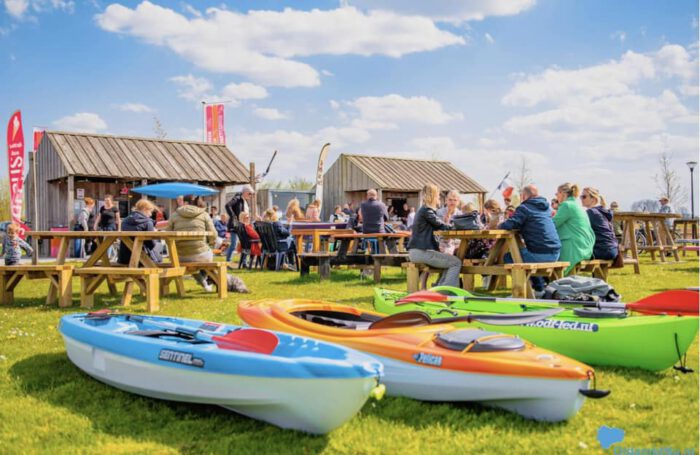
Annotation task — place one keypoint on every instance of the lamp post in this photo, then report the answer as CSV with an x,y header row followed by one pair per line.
x,y
691,165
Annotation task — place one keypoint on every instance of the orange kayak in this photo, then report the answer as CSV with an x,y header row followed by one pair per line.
x,y
440,362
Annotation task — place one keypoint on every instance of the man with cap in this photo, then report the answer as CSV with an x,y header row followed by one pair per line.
x,y
239,203
666,208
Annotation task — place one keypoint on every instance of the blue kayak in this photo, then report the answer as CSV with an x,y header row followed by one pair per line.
x,y
290,381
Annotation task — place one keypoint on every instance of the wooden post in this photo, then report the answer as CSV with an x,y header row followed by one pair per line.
x,y
69,199
253,203
144,182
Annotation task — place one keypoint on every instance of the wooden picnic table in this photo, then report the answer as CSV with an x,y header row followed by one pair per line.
x,y
688,235
350,242
505,242
494,265
658,236
98,265
316,236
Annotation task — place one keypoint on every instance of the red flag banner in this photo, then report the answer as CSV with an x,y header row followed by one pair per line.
x,y
15,162
38,134
214,114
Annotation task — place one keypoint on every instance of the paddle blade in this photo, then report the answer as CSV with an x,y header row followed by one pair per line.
x,y
674,302
399,320
422,296
249,340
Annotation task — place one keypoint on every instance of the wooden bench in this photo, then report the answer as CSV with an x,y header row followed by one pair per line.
x,y
387,260
146,278
522,272
598,268
322,260
417,275
214,270
60,276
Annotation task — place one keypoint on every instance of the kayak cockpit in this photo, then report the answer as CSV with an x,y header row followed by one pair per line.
x,y
476,340
338,319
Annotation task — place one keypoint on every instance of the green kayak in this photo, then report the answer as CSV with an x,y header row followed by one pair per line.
x,y
650,342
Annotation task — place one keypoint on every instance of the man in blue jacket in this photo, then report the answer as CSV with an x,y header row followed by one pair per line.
x,y
533,218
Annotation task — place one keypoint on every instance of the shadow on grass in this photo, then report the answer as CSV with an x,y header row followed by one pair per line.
x,y
52,378
649,377
428,415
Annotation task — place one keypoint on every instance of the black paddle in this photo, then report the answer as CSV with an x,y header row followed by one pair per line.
x,y
419,318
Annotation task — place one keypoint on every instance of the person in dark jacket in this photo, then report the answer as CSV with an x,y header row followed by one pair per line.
x,y
423,248
284,237
239,203
606,246
373,214
533,218
140,220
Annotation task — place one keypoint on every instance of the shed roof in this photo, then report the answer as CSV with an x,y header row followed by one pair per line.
x,y
412,174
102,155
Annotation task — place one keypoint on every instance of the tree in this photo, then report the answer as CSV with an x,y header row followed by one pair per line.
x,y
296,183
667,180
158,128
523,175
4,200
645,205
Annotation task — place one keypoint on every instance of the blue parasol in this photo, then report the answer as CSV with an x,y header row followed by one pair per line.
x,y
172,190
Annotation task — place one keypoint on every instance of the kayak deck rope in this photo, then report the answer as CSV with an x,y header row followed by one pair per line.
x,y
683,368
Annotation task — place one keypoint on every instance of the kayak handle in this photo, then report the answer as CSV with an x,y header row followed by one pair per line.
x,y
594,393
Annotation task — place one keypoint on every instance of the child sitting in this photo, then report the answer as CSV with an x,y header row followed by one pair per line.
x,y
12,246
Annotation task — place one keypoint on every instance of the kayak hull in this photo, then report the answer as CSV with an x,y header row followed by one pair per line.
x,y
299,403
532,382
549,400
647,342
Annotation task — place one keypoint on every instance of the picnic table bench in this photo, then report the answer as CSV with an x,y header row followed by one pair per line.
x,y
659,239
141,270
522,272
598,268
60,277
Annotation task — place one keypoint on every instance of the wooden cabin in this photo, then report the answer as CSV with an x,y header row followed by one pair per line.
x,y
398,181
71,166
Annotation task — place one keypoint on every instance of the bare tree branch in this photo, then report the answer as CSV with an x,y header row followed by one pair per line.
x,y
523,176
667,180
158,128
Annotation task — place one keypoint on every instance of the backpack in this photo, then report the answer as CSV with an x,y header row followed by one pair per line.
x,y
581,288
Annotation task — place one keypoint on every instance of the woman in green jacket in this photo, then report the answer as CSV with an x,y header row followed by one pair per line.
x,y
573,226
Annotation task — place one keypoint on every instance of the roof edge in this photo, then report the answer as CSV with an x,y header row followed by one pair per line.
x,y
138,138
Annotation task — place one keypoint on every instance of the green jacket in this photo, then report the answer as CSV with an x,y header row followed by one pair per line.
x,y
575,232
191,218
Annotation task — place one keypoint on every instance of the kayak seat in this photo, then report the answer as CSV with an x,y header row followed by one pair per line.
x,y
156,333
601,312
459,340
338,319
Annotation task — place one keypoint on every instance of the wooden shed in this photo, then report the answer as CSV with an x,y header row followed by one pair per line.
x,y
71,166
398,180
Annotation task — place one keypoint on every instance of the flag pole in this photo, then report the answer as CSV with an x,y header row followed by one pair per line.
x,y
499,184
204,115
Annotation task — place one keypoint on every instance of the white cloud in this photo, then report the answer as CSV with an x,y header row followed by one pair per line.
x,y
489,38
244,91
268,113
85,122
20,9
623,114
452,11
16,8
618,35
133,107
556,85
262,45
193,88
327,73
334,105
386,112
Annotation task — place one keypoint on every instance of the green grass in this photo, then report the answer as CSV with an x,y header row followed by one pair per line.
x,y
48,406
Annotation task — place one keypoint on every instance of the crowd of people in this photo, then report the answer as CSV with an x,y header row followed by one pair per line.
x,y
574,226
563,230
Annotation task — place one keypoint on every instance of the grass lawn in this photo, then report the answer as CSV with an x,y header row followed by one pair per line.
x,y
48,406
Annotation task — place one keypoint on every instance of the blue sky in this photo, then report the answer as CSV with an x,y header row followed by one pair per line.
x,y
586,91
